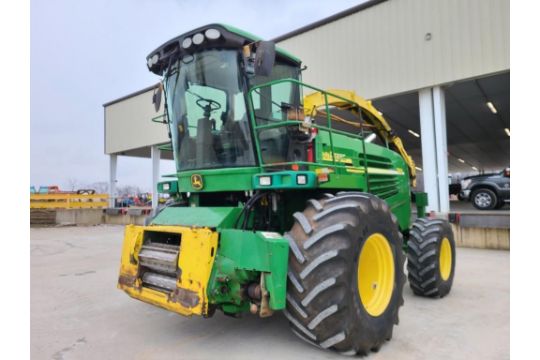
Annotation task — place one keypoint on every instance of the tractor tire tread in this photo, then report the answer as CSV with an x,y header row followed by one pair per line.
x,y
423,251
318,305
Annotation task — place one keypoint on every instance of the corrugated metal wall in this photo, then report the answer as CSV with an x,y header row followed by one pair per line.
x,y
383,49
379,51
128,124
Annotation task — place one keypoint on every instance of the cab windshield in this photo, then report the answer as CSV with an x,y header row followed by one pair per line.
x,y
206,107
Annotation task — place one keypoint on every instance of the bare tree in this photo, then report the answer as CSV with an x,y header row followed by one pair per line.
x,y
101,187
73,184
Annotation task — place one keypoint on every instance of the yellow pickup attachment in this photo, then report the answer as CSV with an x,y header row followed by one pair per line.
x,y
168,266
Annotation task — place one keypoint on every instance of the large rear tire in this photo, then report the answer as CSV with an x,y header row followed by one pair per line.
x,y
345,279
431,253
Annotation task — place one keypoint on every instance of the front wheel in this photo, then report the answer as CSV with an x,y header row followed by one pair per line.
x,y
484,199
345,273
500,204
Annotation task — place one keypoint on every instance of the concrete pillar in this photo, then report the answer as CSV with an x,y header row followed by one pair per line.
x,y
156,155
434,148
113,160
442,146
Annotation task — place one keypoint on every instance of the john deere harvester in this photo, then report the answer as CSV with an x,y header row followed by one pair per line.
x,y
286,198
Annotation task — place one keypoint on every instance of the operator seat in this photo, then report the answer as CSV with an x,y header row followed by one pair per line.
x,y
204,143
187,145
187,151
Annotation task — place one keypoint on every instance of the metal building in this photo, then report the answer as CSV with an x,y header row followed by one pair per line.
x,y
130,131
439,71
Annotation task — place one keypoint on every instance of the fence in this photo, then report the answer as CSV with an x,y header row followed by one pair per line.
x,y
69,201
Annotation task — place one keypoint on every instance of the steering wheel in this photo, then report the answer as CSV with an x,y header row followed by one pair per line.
x,y
211,105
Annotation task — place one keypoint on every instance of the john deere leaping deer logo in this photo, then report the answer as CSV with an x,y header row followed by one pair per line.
x,y
196,181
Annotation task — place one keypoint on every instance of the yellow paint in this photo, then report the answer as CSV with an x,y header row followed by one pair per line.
x,y
316,100
323,171
355,170
61,196
445,259
372,170
68,201
198,248
327,156
133,236
376,273
197,181
66,205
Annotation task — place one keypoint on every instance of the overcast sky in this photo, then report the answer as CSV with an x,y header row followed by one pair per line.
x,y
86,53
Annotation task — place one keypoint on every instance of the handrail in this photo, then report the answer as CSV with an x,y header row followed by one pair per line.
x,y
316,126
283,123
344,100
162,116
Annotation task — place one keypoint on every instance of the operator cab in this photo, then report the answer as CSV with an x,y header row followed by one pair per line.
x,y
207,76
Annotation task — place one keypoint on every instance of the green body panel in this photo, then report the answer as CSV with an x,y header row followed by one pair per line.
x,y
211,217
172,184
421,200
338,180
390,180
249,35
214,180
352,163
241,257
286,180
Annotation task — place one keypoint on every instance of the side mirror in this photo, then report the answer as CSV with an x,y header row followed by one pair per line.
x,y
156,98
265,58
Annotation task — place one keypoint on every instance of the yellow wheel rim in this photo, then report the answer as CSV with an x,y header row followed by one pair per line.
x,y
445,259
376,274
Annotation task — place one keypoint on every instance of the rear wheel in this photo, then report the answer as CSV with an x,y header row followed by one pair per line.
x,y
431,253
345,273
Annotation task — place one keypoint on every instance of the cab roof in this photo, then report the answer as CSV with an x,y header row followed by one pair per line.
x,y
229,37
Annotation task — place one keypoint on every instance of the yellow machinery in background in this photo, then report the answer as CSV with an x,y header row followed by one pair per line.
x,y
68,201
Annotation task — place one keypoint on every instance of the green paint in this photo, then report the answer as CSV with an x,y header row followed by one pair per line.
x,y
230,179
225,284
212,217
242,256
347,156
286,180
421,200
252,37
166,147
172,187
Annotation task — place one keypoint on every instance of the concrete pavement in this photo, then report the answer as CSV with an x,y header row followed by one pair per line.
x,y
77,312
